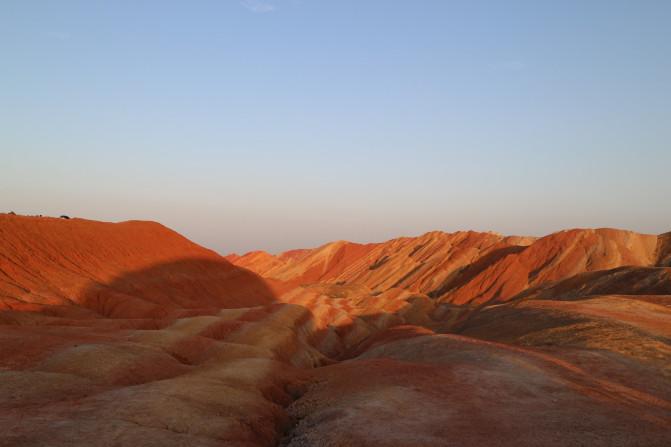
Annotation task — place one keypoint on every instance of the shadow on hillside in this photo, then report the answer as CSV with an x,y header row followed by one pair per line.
x,y
185,287
472,270
161,294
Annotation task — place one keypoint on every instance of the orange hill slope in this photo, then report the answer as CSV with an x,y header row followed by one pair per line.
x,y
420,264
463,267
129,269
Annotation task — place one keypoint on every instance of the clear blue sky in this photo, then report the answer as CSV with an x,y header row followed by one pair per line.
x,y
287,123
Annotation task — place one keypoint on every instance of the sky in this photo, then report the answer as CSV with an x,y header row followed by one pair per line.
x,y
283,124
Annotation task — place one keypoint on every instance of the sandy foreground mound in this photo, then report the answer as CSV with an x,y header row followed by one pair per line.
x,y
129,334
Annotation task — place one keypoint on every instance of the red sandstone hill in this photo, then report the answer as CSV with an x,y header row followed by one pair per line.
x,y
464,267
129,334
129,269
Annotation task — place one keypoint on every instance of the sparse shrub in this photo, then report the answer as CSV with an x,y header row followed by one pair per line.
x,y
65,217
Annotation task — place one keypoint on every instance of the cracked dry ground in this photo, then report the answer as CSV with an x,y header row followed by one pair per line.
x,y
129,334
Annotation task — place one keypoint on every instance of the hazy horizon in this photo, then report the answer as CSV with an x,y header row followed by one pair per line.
x,y
285,124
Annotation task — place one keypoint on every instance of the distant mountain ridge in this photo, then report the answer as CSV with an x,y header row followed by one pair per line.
x,y
464,267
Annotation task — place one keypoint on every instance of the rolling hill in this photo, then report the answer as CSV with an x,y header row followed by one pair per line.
x,y
127,333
